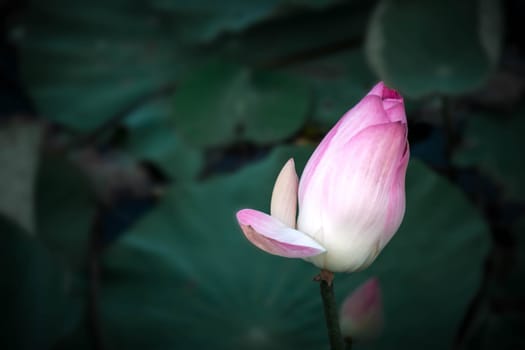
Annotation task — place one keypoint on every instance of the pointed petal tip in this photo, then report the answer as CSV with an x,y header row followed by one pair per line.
x,y
385,92
389,93
284,195
289,166
377,89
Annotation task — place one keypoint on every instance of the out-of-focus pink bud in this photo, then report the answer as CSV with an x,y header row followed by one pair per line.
x,y
361,315
351,194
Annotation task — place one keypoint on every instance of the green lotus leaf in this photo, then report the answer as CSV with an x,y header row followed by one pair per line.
x,y
186,277
222,103
425,47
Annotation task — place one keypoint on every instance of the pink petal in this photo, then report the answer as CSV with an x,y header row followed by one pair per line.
x,y
395,111
314,160
274,237
369,111
364,298
391,94
355,200
381,105
383,91
392,102
397,196
366,188
378,89
362,311
284,195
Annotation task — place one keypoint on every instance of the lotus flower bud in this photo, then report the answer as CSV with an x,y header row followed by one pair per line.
x,y
361,315
351,194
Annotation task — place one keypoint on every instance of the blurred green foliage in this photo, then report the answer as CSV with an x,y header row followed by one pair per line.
x,y
185,267
236,104
151,137
19,152
487,141
157,120
461,43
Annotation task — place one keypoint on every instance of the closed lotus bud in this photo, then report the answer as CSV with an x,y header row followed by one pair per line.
x,y
351,194
361,315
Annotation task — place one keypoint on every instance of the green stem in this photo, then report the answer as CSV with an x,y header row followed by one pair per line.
x,y
331,317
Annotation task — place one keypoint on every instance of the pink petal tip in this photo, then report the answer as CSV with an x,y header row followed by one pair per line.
x,y
362,311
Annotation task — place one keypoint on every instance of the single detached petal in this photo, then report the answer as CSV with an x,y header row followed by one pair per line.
x,y
284,195
362,311
274,237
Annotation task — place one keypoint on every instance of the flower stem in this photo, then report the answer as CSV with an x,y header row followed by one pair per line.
x,y
330,310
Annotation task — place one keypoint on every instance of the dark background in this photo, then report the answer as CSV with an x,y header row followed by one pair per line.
x,y
132,131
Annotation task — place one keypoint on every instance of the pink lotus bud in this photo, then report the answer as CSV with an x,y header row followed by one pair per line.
x,y
351,193
362,312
